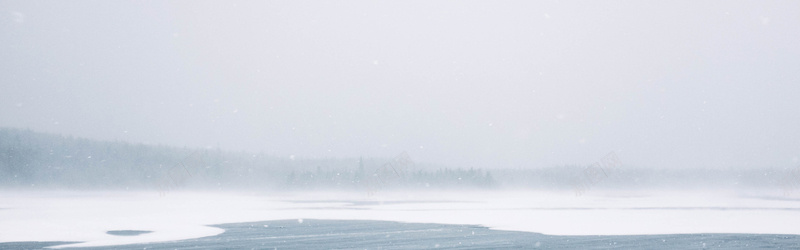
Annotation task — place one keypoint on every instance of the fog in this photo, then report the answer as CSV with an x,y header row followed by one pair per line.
x,y
469,84
605,106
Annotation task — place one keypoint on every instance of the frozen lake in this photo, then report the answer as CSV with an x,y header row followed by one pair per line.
x,y
300,220
363,234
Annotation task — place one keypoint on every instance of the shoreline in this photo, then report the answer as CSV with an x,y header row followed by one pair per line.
x,y
86,217
371,234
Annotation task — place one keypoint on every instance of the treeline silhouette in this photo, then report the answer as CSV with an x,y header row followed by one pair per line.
x,y
32,159
361,178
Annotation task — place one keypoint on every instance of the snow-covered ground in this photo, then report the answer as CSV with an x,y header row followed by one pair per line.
x,y
87,216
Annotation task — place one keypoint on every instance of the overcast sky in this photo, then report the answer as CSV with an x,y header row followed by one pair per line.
x,y
462,83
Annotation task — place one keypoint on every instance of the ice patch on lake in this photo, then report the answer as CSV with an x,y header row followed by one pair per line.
x,y
86,217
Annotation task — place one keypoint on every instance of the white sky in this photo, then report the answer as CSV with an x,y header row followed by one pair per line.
x,y
461,83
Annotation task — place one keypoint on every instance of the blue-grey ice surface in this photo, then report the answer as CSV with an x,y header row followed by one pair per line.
x,y
499,219
355,234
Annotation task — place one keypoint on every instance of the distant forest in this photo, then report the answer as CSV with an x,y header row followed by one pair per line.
x,y
38,160
31,159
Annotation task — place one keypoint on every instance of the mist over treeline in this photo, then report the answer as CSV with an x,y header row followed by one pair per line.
x,y
31,159
39,160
